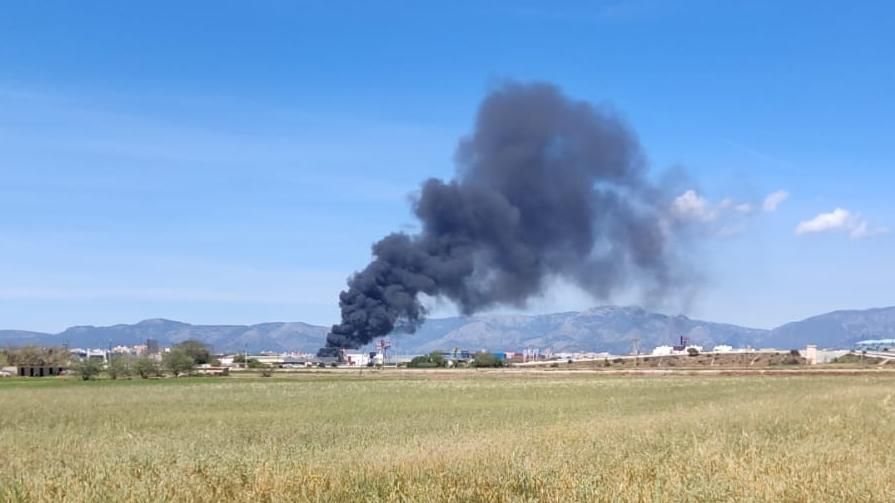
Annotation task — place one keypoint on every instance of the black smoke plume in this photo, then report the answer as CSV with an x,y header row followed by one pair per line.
x,y
546,187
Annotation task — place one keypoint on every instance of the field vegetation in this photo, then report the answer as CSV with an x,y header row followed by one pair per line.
x,y
449,436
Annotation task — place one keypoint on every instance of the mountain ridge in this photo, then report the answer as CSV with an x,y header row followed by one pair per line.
x,y
602,328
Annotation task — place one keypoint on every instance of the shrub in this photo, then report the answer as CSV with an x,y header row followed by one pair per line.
x,y
88,368
692,352
119,366
177,361
147,367
420,362
198,351
436,358
484,359
429,361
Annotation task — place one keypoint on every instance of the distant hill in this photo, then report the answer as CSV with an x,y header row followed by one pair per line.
x,y
608,328
837,329
293,336
611,329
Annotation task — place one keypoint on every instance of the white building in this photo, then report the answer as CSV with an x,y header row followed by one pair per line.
x,y
663,351
357,359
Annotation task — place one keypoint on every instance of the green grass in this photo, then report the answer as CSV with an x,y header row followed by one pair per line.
x,y
449,436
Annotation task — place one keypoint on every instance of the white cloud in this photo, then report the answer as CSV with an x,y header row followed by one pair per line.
x,y
839,220
773,200
692,206
744,208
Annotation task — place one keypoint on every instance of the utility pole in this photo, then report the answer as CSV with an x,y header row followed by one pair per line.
x,y
635,349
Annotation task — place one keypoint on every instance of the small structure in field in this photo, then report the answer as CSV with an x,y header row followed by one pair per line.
x,y
208,370
39,370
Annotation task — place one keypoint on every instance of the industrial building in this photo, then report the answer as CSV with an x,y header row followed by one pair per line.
x,y
875,345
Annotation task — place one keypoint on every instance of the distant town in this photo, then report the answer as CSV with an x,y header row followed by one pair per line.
x,y
195,358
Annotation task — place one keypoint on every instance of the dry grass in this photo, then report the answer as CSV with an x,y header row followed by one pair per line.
x,y
476,438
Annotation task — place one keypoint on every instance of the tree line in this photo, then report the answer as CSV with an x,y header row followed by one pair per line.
x,y
436,359
181,359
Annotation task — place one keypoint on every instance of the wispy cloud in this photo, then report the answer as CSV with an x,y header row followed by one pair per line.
x,y
724,218
839,220
691,206
773,200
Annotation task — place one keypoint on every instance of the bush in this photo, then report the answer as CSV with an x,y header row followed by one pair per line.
x,y
484,359
177,361
429,361
692,352
147,367
421,362
119,366
88,368
436,358
198,351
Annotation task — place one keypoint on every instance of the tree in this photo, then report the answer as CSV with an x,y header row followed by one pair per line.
x,y
33,355
429,361
421,362
484,359
692,352
255,364
178,361
146,367
436,358
88,368
119,366
197,350
4,359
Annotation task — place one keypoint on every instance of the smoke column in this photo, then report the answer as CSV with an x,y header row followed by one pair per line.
x,y
545,187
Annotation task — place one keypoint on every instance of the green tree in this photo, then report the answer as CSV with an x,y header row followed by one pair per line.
x,y
255,364
4,359
436,358
429,361
146,367
88,368
33,355
177,361
198,351
484,359
421,362
119,366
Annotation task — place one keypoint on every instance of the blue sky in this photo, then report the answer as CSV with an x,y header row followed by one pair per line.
x,y
231,162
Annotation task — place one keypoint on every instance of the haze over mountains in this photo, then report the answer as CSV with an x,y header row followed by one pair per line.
x,y
606,328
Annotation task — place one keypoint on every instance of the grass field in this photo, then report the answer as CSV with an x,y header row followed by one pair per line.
x,y
457,436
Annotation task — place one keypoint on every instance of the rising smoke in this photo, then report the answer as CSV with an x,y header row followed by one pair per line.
x,y
546,187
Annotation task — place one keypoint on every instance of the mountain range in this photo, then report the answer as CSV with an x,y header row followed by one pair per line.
x,y
609,328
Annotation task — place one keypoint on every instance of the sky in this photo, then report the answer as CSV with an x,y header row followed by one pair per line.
x,y
232,162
